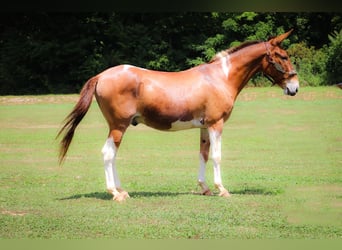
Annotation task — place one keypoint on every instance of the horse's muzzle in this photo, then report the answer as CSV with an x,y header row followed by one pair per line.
x,y
291,88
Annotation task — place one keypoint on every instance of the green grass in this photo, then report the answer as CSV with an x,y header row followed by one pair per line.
x,y
281,161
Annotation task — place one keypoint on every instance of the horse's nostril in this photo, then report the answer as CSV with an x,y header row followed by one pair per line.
x,y
291,93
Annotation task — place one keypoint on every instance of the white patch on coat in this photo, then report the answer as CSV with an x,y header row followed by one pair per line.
x,y
180,125
127,67
225,65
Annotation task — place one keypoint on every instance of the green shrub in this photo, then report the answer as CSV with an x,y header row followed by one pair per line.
x,y
334,61
310,64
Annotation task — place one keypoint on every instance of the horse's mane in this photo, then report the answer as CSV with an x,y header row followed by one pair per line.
x,y
233,50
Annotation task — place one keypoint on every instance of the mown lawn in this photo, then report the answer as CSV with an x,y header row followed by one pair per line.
x,y
282,159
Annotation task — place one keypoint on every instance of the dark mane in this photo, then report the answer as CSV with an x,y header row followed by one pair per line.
x,y
233,50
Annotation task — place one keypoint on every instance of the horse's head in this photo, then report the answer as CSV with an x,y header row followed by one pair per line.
x,y
277,66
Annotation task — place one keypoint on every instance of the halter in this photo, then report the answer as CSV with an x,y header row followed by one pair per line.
x,y
277,66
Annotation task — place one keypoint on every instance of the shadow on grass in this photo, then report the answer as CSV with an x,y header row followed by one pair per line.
x,y
107,196
257,191
95,195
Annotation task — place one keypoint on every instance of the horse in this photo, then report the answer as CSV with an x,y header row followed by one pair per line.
x,y
199,97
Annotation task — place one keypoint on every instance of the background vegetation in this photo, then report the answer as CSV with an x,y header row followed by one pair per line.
x,y
57,52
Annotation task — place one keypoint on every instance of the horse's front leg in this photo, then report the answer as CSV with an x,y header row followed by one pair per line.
x,y
215,137
204,152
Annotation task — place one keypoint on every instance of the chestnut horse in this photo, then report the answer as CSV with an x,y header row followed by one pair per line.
x,y
200,97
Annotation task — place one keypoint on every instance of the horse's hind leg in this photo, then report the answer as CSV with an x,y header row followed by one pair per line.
x,y
204,152
109,151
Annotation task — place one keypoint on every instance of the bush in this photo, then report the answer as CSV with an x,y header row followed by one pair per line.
x,y
310,64
334,61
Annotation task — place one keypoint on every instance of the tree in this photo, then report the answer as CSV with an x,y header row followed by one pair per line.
x,y
334,62
57,52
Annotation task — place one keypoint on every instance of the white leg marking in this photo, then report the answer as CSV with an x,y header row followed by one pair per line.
x,y
215,142
201,177
109,152
201,174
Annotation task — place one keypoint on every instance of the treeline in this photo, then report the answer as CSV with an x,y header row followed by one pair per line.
x,y
58,52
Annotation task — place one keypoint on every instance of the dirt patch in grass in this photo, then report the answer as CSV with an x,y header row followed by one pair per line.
x,y
12,100
305,93
13,213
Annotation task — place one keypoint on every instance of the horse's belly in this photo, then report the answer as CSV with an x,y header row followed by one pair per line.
x,y
163,124
181,125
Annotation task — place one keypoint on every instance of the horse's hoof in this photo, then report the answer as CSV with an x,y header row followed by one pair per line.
x,y
207,192
120,197
224,193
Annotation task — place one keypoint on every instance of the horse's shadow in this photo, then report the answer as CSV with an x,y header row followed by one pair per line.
x,y
266,191
107,196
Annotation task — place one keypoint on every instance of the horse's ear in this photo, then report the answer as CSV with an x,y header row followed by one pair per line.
x,y
277,40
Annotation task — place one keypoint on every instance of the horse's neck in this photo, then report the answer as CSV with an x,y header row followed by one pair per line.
x,y
245,63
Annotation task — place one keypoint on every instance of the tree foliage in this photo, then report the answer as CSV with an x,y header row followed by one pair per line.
x,y
334,61
58,52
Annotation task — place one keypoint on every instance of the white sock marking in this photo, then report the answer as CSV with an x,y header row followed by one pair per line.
x,y
215,142
109,152
201,174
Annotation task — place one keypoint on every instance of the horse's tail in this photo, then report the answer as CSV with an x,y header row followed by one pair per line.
x,y
76,116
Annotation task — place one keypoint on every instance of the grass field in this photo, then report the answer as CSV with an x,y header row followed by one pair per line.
x,y
281,161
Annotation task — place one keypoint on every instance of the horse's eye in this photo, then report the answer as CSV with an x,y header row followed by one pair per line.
x,y
282,56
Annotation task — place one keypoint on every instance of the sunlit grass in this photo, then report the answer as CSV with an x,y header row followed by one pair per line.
x,y
281,162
